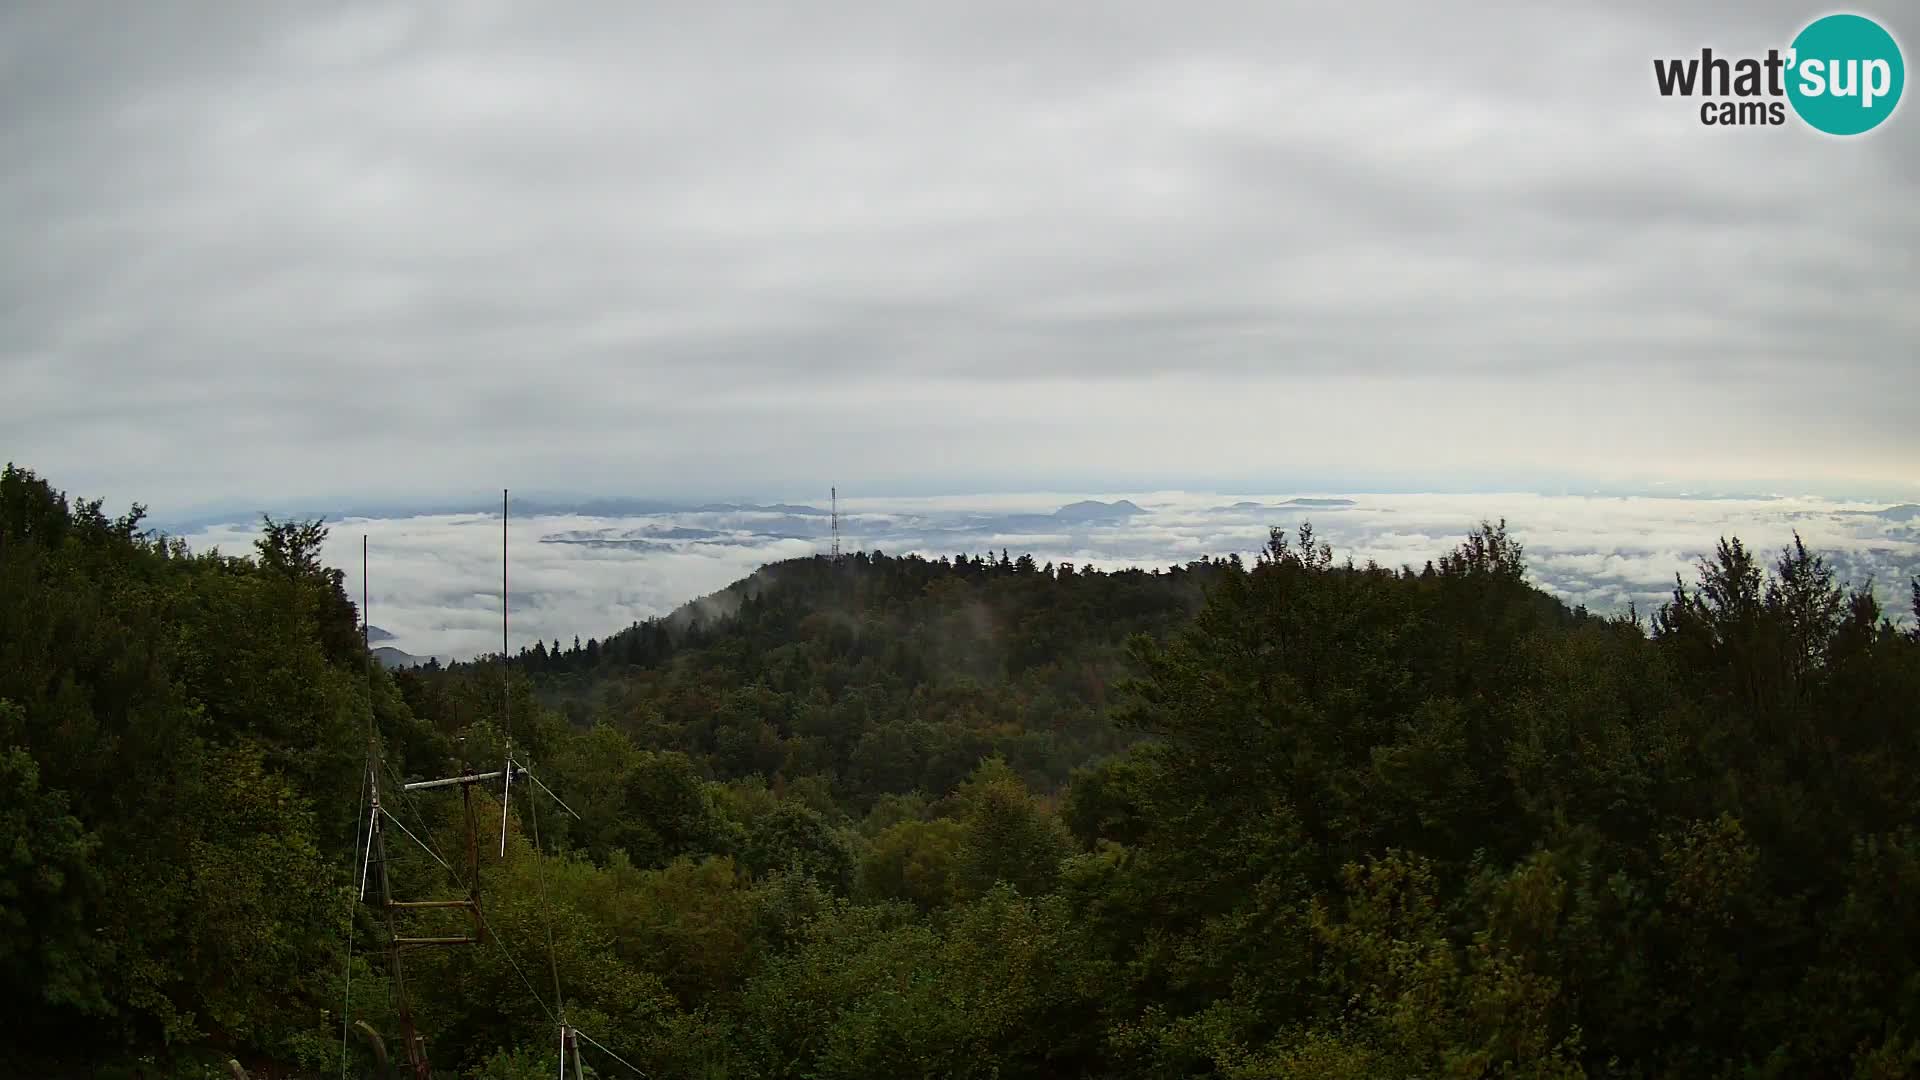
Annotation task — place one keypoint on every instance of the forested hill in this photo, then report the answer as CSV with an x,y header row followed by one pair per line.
x,y
181,737
970,616
877,674
1360,822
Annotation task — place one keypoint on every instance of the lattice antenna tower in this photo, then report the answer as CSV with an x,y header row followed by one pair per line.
x,y
399,942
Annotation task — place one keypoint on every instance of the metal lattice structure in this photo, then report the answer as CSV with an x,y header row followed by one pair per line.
x,y
399,943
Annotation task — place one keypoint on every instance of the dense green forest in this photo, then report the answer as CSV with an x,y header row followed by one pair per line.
x,y
898,817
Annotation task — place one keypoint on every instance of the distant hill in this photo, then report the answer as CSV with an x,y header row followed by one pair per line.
x,y
1084,512
953,660
1088,511
390,657
374,633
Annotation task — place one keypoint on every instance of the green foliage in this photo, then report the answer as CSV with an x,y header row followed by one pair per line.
x,y
48,880
919,862
899,817
796,839
522,1063
1520,832
1006,835
651,805
179,820
1003,987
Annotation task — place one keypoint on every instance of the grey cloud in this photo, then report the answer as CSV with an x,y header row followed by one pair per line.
x,y
266,247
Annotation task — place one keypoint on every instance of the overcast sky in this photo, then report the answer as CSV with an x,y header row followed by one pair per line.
x,y
271,249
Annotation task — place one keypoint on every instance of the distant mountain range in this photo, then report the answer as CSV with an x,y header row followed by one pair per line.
x,y
195,520
1294,504
1902,512
772,508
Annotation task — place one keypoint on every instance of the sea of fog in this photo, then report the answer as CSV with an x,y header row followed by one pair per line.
x,y
435,579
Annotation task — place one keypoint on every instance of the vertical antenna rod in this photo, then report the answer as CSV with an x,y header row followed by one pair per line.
x,y
366,643
506,727
366,629
366,779
376,854
503,580
416,1046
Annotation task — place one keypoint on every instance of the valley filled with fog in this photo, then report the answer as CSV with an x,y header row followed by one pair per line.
x,y
435,578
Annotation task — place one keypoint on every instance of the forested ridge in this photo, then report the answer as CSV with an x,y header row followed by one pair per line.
x,y
886,817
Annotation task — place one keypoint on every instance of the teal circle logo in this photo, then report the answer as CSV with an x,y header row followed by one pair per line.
x,y
1845,74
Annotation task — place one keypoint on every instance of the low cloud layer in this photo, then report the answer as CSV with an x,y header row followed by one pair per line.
x,y
436,579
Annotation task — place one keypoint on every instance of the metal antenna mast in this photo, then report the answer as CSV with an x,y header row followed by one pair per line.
x,y
503,599
836,523
506,725
567,1044
397,943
